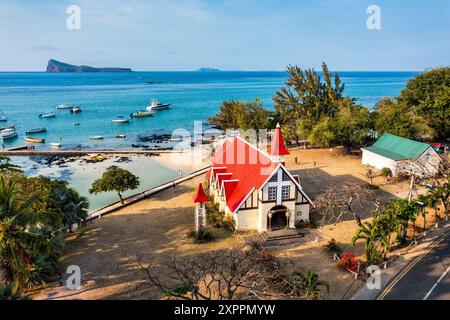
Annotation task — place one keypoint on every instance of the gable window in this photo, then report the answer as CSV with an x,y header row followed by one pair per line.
x,y
272,193
285,176
285,191
274,178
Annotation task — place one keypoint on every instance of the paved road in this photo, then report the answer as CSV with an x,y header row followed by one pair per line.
x,y
427,277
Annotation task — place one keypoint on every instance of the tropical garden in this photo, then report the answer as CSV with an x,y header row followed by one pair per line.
x,y
35,213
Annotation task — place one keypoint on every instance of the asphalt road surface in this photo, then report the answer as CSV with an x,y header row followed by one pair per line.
x,y
427,277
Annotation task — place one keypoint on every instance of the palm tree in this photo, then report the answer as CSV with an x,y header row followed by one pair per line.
x,y
24,243
7,293
374,234
309,283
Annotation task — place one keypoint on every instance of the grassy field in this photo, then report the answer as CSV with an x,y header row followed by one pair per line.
x,y
107,249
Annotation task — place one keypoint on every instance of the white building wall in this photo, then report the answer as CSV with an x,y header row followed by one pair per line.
x,y
378,162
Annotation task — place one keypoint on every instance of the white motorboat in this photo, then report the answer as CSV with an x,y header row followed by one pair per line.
x,y
120,119
9,133
56,144
96,137
63,106
155,105
142,114
47,115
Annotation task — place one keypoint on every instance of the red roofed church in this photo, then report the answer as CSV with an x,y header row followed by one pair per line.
x,y
255,187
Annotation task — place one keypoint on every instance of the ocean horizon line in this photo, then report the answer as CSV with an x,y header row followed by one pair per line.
x,y
197,71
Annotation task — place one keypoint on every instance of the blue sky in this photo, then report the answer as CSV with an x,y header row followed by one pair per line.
x,y
226,34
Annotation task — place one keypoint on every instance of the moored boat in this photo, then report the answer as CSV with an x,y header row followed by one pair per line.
x,y
120,119
141,114
96,137
9,133
36,130
3,117
155,105
56,144
34,140
47,115
75,110
121,136
63,106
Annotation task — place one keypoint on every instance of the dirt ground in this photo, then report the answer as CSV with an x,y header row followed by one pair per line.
x,y
106,250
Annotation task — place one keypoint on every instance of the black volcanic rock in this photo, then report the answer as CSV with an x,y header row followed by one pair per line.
x,y
57,66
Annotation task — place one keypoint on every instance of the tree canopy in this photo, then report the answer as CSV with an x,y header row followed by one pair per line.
x,y
115,179
421,109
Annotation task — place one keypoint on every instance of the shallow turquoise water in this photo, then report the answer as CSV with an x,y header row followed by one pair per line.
x,y
194,95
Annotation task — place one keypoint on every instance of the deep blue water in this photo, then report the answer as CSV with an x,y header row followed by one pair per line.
x,y
194,95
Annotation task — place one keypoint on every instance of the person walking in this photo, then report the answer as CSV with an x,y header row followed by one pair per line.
x,y
173,186
296,160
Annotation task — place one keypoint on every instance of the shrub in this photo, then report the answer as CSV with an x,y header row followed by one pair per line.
x,y
333,247
202,235
229,223
386,172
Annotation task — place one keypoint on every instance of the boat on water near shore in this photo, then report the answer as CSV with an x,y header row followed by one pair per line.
x,y
63,106
120,119
56,144
96,137
9,133
36,130
141,114
155,105
47,115
75,110
34,140
121,136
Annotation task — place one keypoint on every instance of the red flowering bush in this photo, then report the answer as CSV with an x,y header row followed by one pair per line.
x,y
349,262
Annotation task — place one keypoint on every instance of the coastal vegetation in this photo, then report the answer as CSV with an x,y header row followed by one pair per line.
x,y
115,179
421,109
312,106
34,215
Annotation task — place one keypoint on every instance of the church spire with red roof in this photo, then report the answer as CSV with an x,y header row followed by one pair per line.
x,y
278,149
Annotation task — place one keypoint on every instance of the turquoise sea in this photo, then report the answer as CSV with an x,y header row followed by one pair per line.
x,y
104,96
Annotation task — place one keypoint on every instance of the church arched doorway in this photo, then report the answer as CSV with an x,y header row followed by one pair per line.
x,y
277,218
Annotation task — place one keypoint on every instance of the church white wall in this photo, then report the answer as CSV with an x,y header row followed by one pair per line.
x,y
247,219
301,212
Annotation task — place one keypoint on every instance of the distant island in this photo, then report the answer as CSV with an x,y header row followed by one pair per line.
x,y
208,70
55,66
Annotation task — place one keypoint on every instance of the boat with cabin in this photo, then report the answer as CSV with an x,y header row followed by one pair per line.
x,y
36,130
34,140
9,133
75,110
155,105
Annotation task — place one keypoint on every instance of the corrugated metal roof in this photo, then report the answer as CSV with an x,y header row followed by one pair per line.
x,y
397,148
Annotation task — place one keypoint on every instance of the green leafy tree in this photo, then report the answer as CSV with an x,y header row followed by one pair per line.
x,y
115,179
428,94
397,118
376,240
230,114
7,292
29,248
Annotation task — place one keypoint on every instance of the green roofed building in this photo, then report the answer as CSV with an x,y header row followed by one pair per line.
x,y
401,155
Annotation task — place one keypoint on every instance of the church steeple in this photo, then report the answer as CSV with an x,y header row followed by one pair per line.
x,y
278,149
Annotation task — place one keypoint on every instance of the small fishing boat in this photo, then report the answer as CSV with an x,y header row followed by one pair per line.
x,y
155,105
121,136
76,124
120,119
141,114
9,133
34,140
36,130
7,127
56,144
47,115
75,110
96,137
63,106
